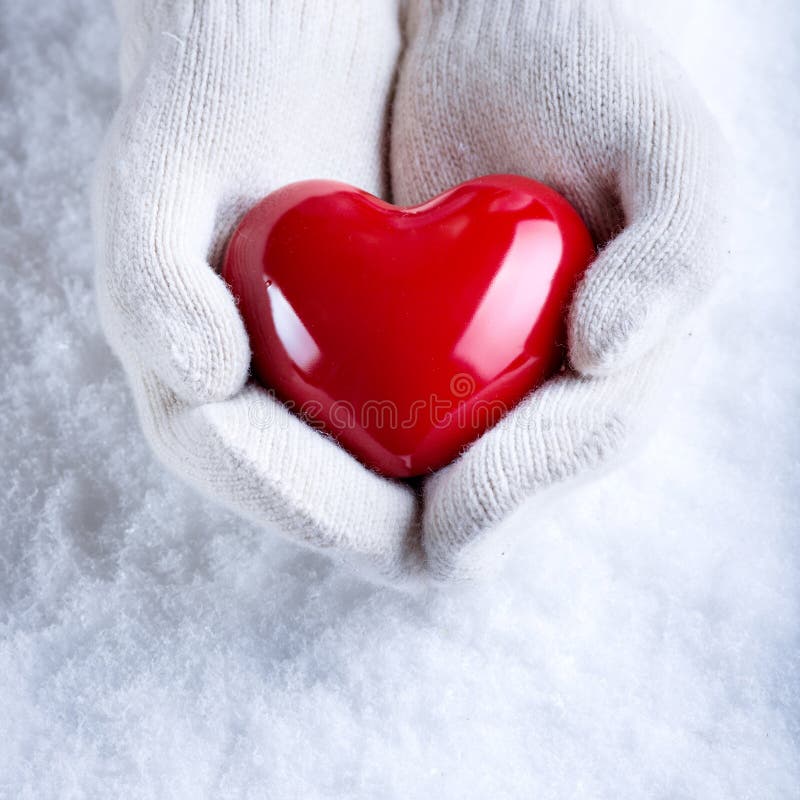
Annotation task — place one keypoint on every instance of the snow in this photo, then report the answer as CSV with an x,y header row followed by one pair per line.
x,y
642,642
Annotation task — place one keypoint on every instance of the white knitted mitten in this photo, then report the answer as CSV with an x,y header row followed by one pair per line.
x,y
224,102
567,92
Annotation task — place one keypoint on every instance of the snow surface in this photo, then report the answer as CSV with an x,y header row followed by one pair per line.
x,y
642,642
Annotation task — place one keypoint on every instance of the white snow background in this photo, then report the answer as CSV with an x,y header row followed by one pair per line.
x,y
641,643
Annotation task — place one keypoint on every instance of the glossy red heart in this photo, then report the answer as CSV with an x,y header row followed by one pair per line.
x,y
407,332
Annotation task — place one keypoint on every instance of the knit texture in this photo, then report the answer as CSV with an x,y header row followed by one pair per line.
x,y
570,94
226,101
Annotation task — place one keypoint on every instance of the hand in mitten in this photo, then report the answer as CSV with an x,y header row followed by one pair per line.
x,y
569,93
224,102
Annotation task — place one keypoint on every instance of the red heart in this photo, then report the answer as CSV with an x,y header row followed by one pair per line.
x,y
407,332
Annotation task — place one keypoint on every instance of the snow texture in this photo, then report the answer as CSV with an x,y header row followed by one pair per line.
x,y
641,643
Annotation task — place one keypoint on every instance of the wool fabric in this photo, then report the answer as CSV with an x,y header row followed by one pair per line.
x,y
226,101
